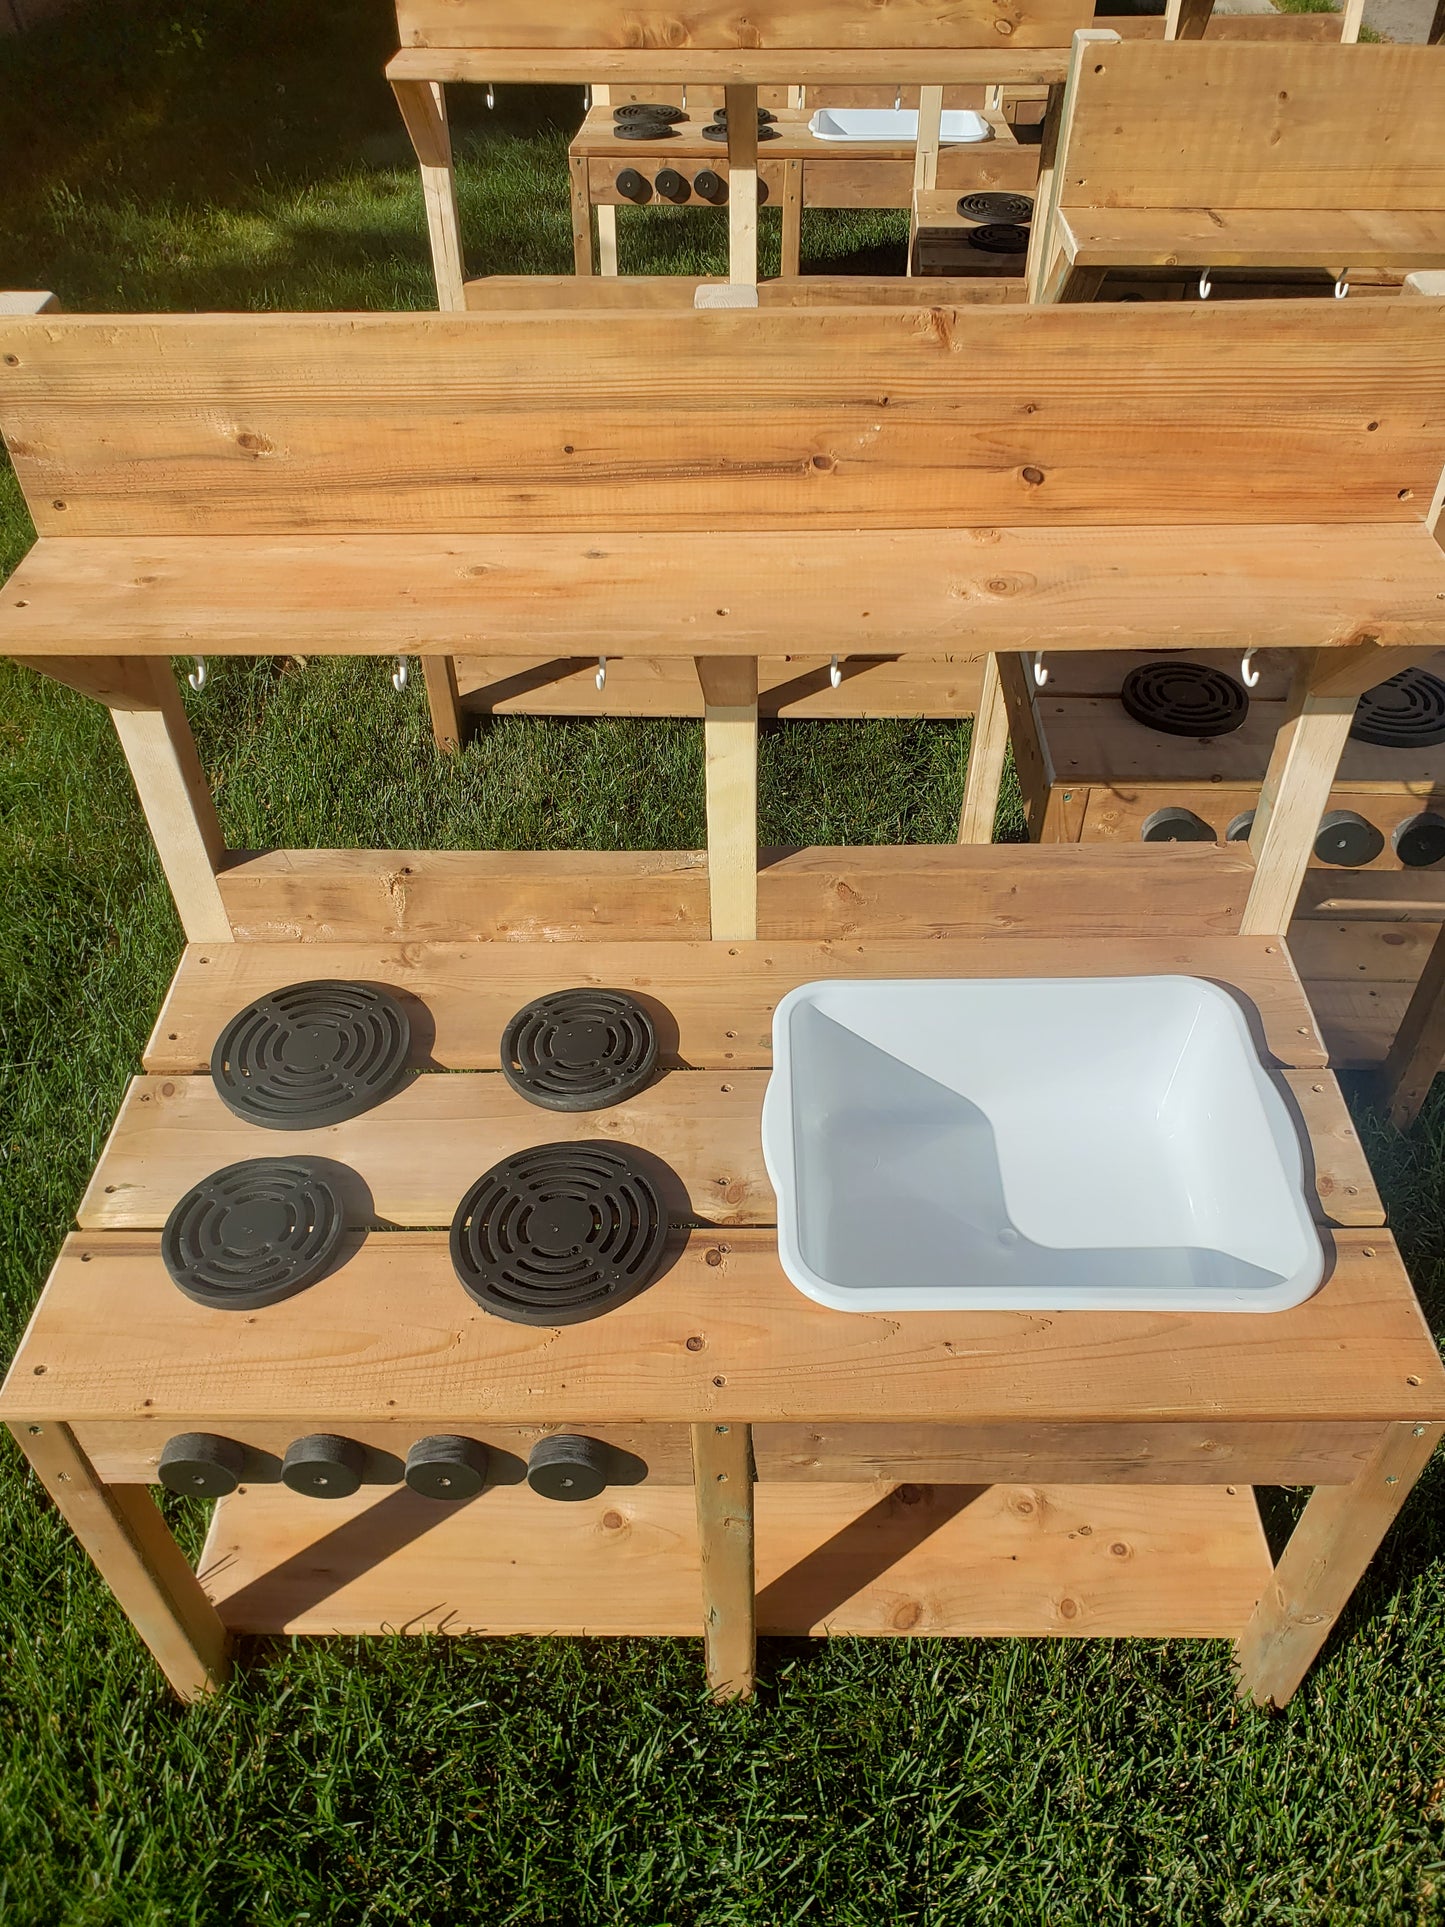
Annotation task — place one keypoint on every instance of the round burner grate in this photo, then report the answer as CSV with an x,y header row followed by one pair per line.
x,y
647,110
1184,699
998,237
766,116
253,1234
1407,712
1008,208
717,130
311,1054
579,1050
644,130
558,1234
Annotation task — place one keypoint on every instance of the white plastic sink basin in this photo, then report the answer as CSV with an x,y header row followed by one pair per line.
x,y
895,124
1060,1144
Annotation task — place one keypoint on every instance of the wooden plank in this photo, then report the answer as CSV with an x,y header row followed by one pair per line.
x,y
1328,1552
443,701
1226,126
415,1156
1299,1451
389,1332
1069,1561
1327,238
796,687
583,260
1358,1021
699,27
791,246
1293,796
742,144
722,1461
925,158
1187,19
1419,1047
125,1535
924,592
648,68
176,801
424,109
120,682
987,753
714,1003
1000,416
524,291
730,745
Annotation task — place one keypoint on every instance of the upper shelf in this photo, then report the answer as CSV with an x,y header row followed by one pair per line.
x,y
1125,237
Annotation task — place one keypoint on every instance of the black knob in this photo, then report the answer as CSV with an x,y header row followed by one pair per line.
x,y
446,1467
1239,829
672,186
633,186
762,190
1348,840
1176,825
1420,840
323,1466
203,1464
568,1467
710,186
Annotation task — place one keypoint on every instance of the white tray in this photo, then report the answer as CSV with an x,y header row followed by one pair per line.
x,y
894,124
1069,1144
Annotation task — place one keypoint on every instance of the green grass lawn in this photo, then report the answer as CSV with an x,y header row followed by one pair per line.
x,y
232,154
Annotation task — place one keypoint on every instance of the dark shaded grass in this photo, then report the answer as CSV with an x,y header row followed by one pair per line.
x,y
247,156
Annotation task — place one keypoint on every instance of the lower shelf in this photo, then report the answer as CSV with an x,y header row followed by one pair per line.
x,y
1102,1561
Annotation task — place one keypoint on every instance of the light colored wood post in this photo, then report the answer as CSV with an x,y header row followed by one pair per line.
x,y
444,701
1337,1536
606,212
792,253
987,749
423,107
742,112
122,1529
1351,20
174,795
1419,1047
1187,19
730,739
1044,244
582,259
1295,793
925,157
1436,31
723,1478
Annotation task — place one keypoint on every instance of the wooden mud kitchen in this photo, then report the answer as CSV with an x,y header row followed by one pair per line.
x,y
445,1239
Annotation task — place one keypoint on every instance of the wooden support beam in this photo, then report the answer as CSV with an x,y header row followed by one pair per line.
x,y
1335,1540
120,682
1044,242
582,257
792,253
1187,19
723,1480
987,750
176,799
925,156
1352,18
1419,1047
444,701
131,1545
1295,793
424,109
730,736
742,113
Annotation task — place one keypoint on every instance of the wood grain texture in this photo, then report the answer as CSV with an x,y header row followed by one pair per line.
x,y
512,292
1232,237
810,418
649,68
1293,796
723,1493
1061,1561
390,1334
1419,1047
882,592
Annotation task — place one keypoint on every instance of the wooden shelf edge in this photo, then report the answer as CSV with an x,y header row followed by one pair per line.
x,y
977,1561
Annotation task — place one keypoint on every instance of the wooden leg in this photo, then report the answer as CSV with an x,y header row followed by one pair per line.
x,y
742,110
723,1478
987,750
925,157
1296,791
1327,1554
1187,19
581,219
606,238
447,723
423,105
730,736
1419,1047
1080,284
1041,232
177,803
1351,20
122,1529
792,256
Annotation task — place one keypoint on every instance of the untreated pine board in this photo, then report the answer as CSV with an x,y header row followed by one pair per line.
x,y
518,291
878,592
390,1333
414,1157
651,67
1227,126
1231,237
807,418
1066,1561
712,1002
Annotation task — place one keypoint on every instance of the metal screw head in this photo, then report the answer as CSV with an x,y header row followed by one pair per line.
x,y
1392,1479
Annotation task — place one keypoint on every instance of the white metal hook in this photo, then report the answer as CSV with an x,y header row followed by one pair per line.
x,y
492,95
1342,288
835,674
684,97
587,100
198,676
1205,284
898,98
602,672
399,675
1041,675
1249,677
